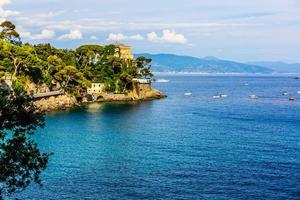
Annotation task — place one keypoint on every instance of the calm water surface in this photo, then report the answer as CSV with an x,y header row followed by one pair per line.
x,y
182,147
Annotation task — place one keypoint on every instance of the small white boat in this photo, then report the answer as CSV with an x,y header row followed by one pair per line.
x,y
285,93
223,95
220,96
188,94
292,98
298,92
162,81
253,96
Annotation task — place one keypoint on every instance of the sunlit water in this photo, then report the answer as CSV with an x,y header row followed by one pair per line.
x,y
182,147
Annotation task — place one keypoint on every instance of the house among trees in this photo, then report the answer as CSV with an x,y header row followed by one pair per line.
x,y
96,88
125,52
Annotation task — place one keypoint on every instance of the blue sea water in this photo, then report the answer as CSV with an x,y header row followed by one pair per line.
x,y
181,147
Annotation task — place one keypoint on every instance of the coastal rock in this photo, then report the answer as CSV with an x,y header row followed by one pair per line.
x,y
56,103
63,102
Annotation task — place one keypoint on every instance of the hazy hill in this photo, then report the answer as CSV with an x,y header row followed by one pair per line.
x,y
176,63
279,67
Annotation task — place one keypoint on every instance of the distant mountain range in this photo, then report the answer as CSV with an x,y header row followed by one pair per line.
x,y
176,63
279,67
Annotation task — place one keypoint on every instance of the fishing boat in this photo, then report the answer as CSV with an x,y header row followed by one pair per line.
x,y
188,94
253,96
292,99
285,93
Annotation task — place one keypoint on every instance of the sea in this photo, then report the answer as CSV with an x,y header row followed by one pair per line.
x,y
187,146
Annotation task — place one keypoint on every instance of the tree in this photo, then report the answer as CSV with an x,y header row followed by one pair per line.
x,y
144,67
72,79
21,58
21,162
9,33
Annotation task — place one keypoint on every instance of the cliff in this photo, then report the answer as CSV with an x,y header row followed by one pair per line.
x,y
56,103
63,102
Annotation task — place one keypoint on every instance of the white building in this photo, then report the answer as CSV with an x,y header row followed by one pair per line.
x,y
96,88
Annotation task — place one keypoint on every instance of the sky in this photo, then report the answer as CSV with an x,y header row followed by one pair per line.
x,y
241,30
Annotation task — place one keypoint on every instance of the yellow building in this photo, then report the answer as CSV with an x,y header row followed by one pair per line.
x,y
125,51
96,88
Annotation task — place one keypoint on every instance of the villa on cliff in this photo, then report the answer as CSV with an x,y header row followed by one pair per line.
x,y
125,52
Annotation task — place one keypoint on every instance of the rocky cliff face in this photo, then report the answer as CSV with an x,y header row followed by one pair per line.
x,y
56,103
63,102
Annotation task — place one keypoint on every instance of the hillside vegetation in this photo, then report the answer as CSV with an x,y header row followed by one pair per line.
x,y
73,70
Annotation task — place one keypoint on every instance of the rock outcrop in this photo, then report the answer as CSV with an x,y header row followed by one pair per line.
x,y
61,102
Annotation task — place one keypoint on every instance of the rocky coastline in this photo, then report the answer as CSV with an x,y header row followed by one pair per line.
x,y
63,102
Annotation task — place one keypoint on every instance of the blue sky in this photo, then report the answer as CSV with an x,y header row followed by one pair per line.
x,y
241,30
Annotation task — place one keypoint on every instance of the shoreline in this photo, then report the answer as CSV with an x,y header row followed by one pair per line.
x,y
66,101
224,74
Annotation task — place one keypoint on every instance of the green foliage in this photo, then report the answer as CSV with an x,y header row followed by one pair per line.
x,y
9,33
18,86
144,67
21,162
74,70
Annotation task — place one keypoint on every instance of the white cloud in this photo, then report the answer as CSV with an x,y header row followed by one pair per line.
x,y
45,34
152,37
73,35
168,36
6,13
3,2
116,37
93,37
136,37
120,37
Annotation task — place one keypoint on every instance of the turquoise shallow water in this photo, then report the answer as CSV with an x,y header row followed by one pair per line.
x,y
182,147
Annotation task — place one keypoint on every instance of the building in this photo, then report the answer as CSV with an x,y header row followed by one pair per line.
x,y
141,86
125,51
96,88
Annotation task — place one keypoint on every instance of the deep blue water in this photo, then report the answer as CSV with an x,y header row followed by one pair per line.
x,y
181,147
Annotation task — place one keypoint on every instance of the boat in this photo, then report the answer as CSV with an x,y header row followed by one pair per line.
x,y
162,81
223,95
253,96
292,99
285,93
297,77
298,92
188,94
220,96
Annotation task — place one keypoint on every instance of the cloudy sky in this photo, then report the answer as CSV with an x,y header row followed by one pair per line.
x,y
242,30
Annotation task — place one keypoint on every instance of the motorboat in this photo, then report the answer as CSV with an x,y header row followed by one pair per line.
x,y
253,96
162,80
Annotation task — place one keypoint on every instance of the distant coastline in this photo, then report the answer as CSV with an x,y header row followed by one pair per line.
x,y
222,74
